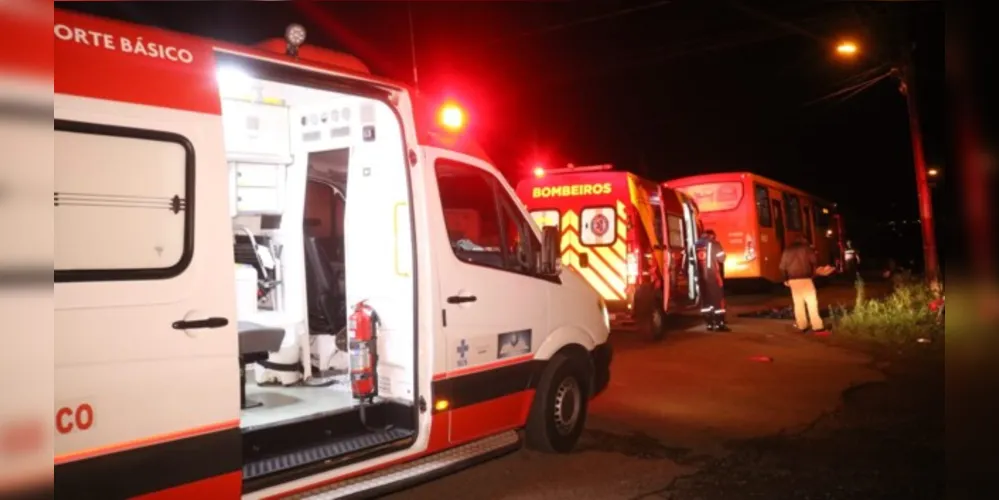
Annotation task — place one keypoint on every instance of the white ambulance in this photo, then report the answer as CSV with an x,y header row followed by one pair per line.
x,y
220,213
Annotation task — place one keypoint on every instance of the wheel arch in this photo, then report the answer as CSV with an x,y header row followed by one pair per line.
x,y
562,338
573,343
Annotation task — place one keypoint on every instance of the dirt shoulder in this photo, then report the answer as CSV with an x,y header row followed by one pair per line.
x,y
886,440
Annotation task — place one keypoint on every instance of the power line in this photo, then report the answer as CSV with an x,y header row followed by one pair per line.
x,y
852,90
862,75
863,88
773,20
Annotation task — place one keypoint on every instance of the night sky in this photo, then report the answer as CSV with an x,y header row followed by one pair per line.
x,y
661,88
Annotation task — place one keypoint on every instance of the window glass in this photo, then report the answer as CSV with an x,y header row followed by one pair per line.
x,y
793,207
120,203
807,222
484,225
763,206
675,232
522,248
715,196
470,214
546,218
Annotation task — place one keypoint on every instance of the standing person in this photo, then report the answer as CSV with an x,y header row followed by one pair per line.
x,y
711,277
852,259
798,266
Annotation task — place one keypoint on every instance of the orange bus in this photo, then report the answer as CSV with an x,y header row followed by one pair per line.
x,y
756,217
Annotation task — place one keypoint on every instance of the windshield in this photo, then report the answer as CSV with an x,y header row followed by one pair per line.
x,y
715,196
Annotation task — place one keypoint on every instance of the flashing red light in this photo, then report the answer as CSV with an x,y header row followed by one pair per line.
x,y
539,172
451,116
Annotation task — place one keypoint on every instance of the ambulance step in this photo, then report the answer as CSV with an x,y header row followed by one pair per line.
x,y
319,453
411,473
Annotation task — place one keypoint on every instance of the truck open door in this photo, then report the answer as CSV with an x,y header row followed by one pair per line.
x,y
690,232
679,234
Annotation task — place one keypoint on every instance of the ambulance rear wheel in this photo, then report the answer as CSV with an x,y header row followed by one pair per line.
x,y
558,413
653,322
657,323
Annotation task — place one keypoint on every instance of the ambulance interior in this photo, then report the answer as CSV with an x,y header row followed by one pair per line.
x,y
320,222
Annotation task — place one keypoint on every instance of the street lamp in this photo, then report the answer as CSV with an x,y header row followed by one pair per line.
x,y
933,172
847,48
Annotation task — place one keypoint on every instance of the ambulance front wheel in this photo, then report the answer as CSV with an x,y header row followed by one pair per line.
x,y
558,413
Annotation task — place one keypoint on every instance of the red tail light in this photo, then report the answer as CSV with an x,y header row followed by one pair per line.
x,y
632,262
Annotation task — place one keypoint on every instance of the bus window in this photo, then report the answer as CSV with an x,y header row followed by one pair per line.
x,y
715,196
597,226
793,206
808,224
778,222
763,215
545,218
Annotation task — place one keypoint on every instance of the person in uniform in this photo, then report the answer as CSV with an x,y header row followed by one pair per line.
x,y
711,278
852,259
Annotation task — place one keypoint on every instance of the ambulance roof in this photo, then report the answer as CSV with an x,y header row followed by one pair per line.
x,y
115,73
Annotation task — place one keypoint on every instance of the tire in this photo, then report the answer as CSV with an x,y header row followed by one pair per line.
x,y
554,428
657,323
653,322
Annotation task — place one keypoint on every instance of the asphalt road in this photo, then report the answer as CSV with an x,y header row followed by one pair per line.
x,y
679,406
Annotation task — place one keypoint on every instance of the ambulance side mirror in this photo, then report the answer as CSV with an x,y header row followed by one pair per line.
x,y
551,246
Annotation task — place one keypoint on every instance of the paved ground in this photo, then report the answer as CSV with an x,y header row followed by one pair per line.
x,y
696,417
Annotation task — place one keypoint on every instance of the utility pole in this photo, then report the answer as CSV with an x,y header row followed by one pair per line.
x,y
907,77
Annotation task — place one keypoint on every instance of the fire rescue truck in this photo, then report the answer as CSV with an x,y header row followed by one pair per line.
x,y
278,275
631,239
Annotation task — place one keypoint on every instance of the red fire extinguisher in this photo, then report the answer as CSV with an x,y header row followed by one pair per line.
x,y
362,338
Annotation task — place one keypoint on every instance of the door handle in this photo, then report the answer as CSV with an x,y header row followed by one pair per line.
x,y
200,323
460,299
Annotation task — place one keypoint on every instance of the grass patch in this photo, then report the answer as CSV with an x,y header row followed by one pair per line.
x,y
907,314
